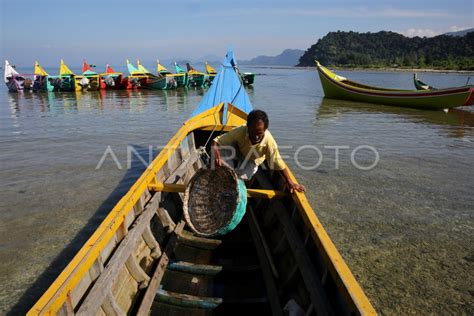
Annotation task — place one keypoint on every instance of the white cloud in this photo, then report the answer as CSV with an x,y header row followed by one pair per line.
x,y
420,32
412,32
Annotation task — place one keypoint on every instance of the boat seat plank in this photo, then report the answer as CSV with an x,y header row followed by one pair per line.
x,y
187,300
199,242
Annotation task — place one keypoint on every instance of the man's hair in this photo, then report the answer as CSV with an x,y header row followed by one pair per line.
x,y
257,115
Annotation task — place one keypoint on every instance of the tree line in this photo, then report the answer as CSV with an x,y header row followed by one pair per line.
x,y
390,49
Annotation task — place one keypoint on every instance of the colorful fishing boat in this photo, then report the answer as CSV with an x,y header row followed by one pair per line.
x,y
179,78
338,87
40,78
88,81
143,259
196,79
113,80
420,85
211,72
248,78
144,79
182,79
16,82
64,81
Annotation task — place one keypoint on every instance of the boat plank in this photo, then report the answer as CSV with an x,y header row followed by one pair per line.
x,y
267,272
155,281
105,281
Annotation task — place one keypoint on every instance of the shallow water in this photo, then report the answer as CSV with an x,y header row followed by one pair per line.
x,y
404,227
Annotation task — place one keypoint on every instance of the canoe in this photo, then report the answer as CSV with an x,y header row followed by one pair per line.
x,y
64,81
182,78
88,81
17,82
420,85
112,80
143,259
338,87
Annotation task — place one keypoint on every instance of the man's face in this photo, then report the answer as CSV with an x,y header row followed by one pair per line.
x,y
256,131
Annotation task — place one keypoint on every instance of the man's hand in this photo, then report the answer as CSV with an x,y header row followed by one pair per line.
x,y
219,162
217,155
296,187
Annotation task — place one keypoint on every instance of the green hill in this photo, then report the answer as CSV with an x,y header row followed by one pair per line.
x,y
389,49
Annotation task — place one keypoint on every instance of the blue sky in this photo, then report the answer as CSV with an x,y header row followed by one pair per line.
x,y
110,31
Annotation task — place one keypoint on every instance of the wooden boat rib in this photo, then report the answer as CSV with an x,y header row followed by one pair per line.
x,y
143,260
338,87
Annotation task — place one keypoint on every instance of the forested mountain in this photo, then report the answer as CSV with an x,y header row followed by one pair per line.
x,y
389,49
289,57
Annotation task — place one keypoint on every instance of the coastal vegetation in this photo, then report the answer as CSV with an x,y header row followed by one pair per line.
x,y
389,49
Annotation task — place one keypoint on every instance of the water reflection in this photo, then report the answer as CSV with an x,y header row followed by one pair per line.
x,y
134,100
458,122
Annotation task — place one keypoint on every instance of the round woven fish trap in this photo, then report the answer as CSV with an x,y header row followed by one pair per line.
x,y
215,201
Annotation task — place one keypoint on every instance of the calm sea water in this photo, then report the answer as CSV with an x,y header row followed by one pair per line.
x,y
405,227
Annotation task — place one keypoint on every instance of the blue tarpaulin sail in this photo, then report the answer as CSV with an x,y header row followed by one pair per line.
x,y
226,87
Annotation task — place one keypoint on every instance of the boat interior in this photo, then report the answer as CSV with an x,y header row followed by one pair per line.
x,y
272,263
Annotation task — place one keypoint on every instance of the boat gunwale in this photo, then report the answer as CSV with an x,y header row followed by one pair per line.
x,y
55,296
376,91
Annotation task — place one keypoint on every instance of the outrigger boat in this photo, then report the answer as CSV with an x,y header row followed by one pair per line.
x,y
113,80
183,78
64,81
16,82
196,79
89,80
338,87
143,259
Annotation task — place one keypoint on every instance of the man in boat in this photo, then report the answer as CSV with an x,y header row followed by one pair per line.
x,y
251,144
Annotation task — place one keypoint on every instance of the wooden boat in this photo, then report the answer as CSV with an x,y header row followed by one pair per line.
x,y
40,78
210,71
338,87
64,81
112,80
88,81
144,260
420,85
248,78
183,79
17,82
142,78
196,79
179,78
